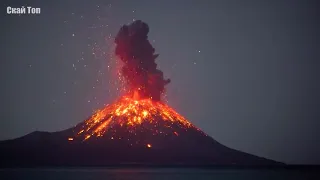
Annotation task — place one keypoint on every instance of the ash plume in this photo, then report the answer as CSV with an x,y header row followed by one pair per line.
x,y
140,69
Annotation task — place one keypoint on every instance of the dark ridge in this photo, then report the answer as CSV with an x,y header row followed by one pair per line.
x,y
191,148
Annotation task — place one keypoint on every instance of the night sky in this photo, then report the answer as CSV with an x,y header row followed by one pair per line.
x,y
245,72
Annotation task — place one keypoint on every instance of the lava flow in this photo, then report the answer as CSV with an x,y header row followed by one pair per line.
x,y
132,115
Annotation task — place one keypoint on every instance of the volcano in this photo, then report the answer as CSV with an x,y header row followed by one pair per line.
x,y
138,128
128,131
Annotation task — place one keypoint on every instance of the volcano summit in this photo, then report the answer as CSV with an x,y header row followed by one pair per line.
x,y
136,129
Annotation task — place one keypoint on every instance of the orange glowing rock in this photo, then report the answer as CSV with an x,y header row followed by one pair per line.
x,y
149,145
87,137
131,113
70,139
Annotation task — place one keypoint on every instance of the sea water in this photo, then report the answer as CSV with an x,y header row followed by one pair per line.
x,y
150,174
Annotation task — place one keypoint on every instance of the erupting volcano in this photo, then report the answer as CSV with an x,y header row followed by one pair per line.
x,y
138,128
141,109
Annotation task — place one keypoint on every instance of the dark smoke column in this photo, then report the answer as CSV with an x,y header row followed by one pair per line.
x,y
140,69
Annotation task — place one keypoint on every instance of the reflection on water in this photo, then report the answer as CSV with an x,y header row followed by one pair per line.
x,y
146,174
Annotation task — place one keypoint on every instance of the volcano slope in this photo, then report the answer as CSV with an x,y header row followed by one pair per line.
x,y
126,132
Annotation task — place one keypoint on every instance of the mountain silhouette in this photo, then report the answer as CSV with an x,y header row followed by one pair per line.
x,y
126,132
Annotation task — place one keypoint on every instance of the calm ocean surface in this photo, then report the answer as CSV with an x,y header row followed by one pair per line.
x,y
149,174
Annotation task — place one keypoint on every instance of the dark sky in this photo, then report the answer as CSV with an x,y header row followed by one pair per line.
x,y
245,72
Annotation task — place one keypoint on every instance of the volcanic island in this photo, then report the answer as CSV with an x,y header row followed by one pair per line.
x,y
138,129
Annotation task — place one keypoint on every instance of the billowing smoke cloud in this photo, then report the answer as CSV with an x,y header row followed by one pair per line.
x,y
140,69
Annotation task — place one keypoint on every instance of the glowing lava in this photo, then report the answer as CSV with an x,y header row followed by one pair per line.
x,y
129,113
